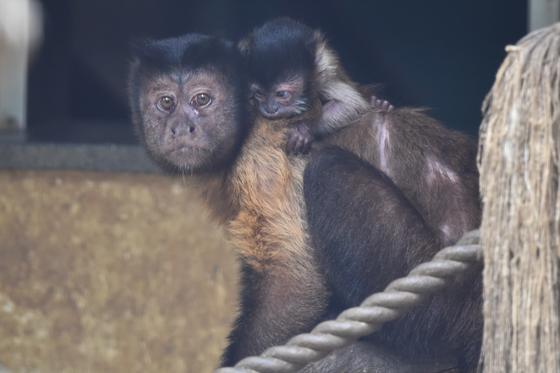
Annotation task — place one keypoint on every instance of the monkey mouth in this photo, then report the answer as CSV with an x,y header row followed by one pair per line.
x,y
182,149
270,116
275,116
279,116
187,157
187,149
184,146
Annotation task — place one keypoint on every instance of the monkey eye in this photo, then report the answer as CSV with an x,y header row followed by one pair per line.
x,y
285,95
201,100
166,104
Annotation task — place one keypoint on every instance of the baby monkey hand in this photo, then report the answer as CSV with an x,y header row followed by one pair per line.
x,y
299,139
381,105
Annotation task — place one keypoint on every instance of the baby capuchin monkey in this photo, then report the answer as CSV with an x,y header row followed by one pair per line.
x,y
297,78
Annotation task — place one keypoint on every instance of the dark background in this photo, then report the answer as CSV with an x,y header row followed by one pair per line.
x,y
436,53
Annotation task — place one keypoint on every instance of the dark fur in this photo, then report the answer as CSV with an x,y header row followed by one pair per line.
x,y
239,174
366,233
286,55
358,215
279,48
250,183
450,206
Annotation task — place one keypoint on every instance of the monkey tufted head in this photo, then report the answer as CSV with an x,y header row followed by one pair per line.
x,y
280,56
187,99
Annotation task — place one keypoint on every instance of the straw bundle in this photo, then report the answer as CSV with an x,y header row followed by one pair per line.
x,y
519,168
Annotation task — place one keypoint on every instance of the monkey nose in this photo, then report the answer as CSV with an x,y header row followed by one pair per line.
x,y
269,110
182,129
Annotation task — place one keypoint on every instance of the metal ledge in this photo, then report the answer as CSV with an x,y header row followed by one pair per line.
x,y
84,157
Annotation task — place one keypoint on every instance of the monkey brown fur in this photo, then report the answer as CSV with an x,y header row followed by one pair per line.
x,y
433,166
414,150
297,79
270,232
252,185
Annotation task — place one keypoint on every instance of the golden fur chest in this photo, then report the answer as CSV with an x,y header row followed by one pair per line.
x,y
270,227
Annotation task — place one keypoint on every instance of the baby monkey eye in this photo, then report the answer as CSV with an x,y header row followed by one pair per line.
x,y
166,103
283,94
201,100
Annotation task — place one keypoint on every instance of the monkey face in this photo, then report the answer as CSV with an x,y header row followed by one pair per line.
x,y
190,120
283,99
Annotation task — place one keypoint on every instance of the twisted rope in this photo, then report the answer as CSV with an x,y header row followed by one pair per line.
x,y
398,298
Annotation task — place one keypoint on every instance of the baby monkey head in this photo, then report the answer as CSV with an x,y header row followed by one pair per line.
x,y
280,58
185,100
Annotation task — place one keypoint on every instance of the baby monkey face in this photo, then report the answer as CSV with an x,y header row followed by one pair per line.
x,y
189,118
283,99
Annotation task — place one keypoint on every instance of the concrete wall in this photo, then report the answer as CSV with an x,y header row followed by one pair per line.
x,y
107,272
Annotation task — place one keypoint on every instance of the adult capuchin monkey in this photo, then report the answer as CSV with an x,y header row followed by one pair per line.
x,y
187,99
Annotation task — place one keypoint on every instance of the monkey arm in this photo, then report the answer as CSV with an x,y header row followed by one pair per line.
x,y
365,233
276,304
343,101
355,211
299,139
264,322
343,104
367,357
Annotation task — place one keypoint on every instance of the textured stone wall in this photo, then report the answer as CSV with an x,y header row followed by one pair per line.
x,y
110,273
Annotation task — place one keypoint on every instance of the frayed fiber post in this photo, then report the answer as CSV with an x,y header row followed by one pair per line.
x,y
520,232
